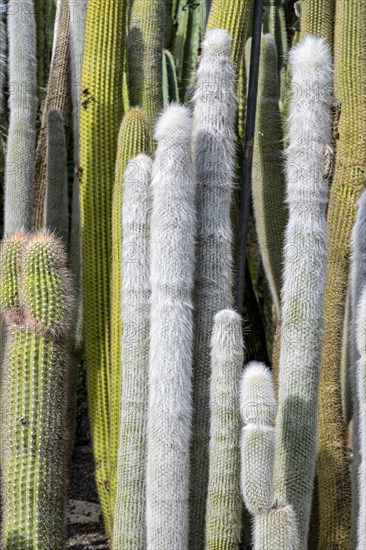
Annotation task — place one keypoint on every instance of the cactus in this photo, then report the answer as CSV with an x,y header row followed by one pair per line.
x,y
214,116
274,22
258,411
268,182
317,18
56,214
304,281
145,56
134,138
57,97
129,515
361,394
276,529
347,185
171,333
100,118
170,83
19,167
34,446
223,510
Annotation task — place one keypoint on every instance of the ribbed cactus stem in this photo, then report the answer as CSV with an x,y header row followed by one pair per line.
x,y
304,278
317,18
19,166
56,214
268,181
171,333
276,530
223,509
214,154
129,514
347,186
258,412
35,395
145,56
133,138
10,257
361,394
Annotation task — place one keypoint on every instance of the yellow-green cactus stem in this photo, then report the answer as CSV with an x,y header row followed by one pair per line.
x,y
100,118
133,138
145,56
10,257
317,18
34,395
348,183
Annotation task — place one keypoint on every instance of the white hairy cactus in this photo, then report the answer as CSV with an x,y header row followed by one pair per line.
x,y
258,411
19,167
223,511
276,529
173,224
304,278
129,515
361,394
214,155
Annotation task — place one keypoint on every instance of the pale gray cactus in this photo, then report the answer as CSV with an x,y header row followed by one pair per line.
x,y
223,510
19,166
214,154
258,411
304,278
361,394
56,208
3,59
129,514
276,529
171,333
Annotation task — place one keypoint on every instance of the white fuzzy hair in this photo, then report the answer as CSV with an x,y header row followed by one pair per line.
x,y
173,226
276,529
361,394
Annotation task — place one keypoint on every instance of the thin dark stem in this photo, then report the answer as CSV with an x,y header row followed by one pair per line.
x,y
248,150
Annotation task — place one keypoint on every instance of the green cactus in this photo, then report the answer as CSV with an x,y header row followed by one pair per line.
x,y
57,97
317,18
274,22
133,138
56,213
348,183
170,83
34,393
145,56
100,118
268,181
223,507
276,529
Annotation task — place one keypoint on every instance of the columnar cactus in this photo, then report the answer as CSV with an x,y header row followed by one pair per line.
x,y
304,277
35,285
348,183
56,213
361,394
268,182
57,97
129,515
223,510
134,138
317,18
258,411
276,529
171,333
19,166
100,118
145,56
214,152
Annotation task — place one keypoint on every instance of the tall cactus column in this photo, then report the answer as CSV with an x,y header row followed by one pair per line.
x,y
317,18
348,183
100,118
361,395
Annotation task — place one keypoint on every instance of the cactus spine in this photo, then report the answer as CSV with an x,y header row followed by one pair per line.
x,y
347,185
223,510
317,18
145,56
129,515
56,214
213,142
100,118
34,395
276,529
258,411
171,333
361,394
19,166
304,281
268,183
134,138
